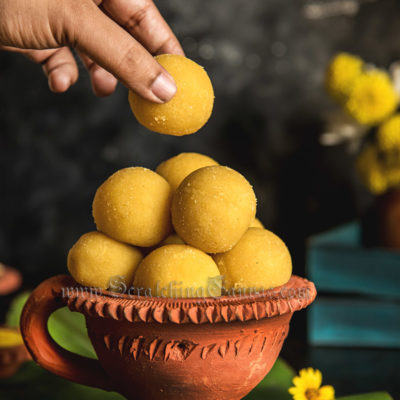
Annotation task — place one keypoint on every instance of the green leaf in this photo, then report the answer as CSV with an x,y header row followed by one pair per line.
x,y
67,328
281,375
15,310
368,396
276,384
36,383
273,393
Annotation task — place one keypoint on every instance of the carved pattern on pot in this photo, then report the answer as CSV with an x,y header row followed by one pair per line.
x,y
180,349
273,303
153,349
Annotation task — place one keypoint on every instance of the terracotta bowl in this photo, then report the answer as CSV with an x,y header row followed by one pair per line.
x,y
161,348
10,280
381,223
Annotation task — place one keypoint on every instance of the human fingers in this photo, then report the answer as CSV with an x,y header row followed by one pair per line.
x,y
59,65
110,46
142,20
103,83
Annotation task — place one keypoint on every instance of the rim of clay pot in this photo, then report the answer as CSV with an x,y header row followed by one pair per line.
x,y
295,295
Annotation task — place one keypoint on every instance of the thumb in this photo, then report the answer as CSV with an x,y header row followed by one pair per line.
x,y
111,47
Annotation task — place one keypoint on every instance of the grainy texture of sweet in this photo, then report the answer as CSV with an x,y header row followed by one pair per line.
x,y
259,260
212,208
133,206
95,258
188,110
176,271
177,168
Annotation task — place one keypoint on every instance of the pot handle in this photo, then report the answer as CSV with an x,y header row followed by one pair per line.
x,y
44,300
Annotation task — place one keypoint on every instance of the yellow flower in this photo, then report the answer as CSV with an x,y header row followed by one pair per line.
x,y
341,74
393,176
307,386
370,169
388,136
376,182
372,98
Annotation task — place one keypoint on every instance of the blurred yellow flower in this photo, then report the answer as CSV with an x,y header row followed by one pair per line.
x,y
393,176
372,97
388,136
307,386
370,170
341,74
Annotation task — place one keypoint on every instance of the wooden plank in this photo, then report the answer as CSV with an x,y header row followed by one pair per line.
x,y
344,235
354,322
338,263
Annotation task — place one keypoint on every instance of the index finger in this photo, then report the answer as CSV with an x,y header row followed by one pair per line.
x,y
142,20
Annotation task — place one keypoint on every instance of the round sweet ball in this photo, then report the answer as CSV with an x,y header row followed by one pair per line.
x,y
133,206
260,260
256,224
173,238
177,168
188,110
95,259
177,271
212,208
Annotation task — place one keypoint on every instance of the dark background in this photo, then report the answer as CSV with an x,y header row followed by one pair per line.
x,y
266,60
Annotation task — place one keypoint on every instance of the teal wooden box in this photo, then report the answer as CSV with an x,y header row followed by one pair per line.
x,y
358,301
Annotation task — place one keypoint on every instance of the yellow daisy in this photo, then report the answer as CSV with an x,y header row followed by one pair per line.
x,y
372,97
388,136
307,386
341,74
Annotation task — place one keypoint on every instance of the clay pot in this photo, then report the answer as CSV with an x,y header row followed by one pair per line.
x,y
12,357
10,280
161,348
381,225
389,212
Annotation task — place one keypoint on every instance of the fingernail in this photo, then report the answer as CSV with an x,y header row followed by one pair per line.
x,y
164,87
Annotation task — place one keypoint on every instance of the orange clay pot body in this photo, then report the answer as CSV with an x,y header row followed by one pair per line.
x,y
389,213
169,349
381,224
10,281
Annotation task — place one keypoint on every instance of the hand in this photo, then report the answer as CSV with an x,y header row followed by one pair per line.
x,y
114,38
